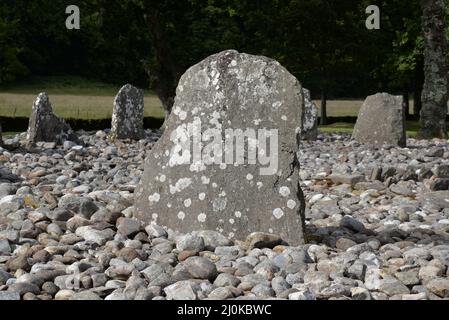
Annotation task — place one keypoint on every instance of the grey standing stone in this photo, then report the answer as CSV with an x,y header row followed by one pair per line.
x,y
127,116
45,126
309,128
228,90
381,121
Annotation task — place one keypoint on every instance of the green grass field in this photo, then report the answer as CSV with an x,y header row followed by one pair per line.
x,y
71,97
412,128
76,97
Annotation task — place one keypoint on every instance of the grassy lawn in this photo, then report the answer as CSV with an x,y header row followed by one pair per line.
x,y
71,97
76,97
412,128
340,108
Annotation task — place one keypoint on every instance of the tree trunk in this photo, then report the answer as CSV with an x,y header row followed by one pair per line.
x,y
417,90
406,105
323,120
435,90
163,74
417,104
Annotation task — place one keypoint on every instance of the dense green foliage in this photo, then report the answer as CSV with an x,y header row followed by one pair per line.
x,y
152,42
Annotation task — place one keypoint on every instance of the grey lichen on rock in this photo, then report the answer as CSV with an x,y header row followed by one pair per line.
x,y
381,121
225,93
45,126
127,116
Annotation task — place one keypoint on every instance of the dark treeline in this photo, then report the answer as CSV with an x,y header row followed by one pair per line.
x,y
152,42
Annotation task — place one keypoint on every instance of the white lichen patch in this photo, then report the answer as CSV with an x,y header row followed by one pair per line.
x,y
202,196
187,203
291,204
278,213
249,177
162,178
219,204
205,180
182,115
181,215
238,214
155,197
231,221
180,185
284,191
202,217
276,105
197,166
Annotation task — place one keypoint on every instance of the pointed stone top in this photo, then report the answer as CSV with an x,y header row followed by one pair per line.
x,y
42,103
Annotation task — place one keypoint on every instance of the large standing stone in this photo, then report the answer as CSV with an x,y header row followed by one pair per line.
x,y
381,121
127,117
190,186
45,126
309,128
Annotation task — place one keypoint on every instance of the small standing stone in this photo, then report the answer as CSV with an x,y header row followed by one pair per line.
x,y
45,126
127,117
381,121
309,128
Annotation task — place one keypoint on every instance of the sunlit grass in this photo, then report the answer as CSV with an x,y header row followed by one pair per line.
x,y
71,97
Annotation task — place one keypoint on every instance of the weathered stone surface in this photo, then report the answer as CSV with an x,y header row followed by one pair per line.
x,y
381,120
346,179
228,91
9,296
127,116
309,128
438,199
45,126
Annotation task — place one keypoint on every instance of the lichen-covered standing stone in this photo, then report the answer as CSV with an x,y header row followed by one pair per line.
x,y
45,126
309,129
127,116
381,121
200,176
